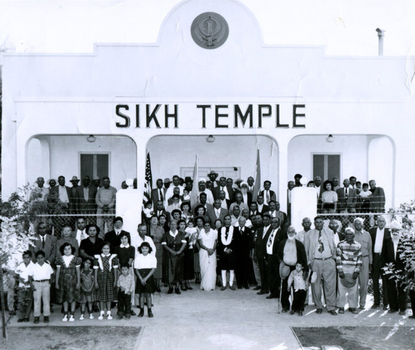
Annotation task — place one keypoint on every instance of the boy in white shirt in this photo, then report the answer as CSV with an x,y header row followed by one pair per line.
x,y
24,294
39,277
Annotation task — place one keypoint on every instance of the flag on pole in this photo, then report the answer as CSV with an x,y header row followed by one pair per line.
x,y
257,184
194,196
149,181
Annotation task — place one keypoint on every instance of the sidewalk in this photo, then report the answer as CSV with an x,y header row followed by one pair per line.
x,y
227,319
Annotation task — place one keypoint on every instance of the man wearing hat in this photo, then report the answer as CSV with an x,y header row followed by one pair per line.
x,y
363,237
114,236
349,263
73,199
290,252
212,177
392,248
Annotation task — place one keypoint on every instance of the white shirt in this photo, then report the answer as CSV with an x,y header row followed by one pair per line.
x,y
145,262
63,194
137,240
80,235
265,231
40,272
379,240
225,189
224,204
23,272
266,194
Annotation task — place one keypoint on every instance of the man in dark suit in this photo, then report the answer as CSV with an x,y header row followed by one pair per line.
x,y
262,208
158,193
379,234
224,203
260,252
246,195
73,198
274,239
268,194
377,200
223,186
347,198
212,177
62,192
290,252
274,211
216,212
44,242
113,237
243,267
392,248
159,210
86,194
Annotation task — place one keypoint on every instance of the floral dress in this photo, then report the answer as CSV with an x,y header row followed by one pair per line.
x,y
105,266
67,291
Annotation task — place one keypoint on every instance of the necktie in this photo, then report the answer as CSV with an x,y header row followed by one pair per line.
x,y
345,192
320,243
268,197
43,242
161,195
271,237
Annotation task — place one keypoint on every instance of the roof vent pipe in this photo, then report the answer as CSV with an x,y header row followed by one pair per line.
x,y
381,34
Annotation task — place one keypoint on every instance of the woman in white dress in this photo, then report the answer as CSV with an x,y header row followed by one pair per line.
x,y
207,255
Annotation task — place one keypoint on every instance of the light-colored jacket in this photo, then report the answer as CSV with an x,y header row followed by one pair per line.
x,y
310,242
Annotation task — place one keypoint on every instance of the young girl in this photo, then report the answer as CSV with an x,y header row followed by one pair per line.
x,y
106,273
145,265
300,288
87,288
68,280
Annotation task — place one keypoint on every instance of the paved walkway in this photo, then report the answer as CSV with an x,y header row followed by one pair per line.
x,y
228,319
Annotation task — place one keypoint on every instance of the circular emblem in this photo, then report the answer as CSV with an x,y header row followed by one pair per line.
x,y
209,30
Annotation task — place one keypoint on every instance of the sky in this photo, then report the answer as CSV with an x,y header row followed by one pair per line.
x,y
346,28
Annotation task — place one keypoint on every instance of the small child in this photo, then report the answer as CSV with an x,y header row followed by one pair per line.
x,y
148,210
106,273
191,234
87,288
39,277
300,288
144,266
186,196
125,286
365,195
24,294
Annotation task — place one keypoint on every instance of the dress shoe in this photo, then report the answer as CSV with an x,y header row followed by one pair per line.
x,y
150,313
300,313
184,289
333,312
239,287
246,286
177,291
261,292
257,288
158,289
284,311
385,307
353,311
20,320
223,288
232,288
319,311
392,311
341,311
36,320
141,314
46,319
361,307
170,291
25,320
375,306
132,313
272,296
188,287
402,313
292,312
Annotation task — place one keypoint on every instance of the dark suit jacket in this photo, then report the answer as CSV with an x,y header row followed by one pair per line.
x,y
301,255
249,194
242,242
265,209
279,237
377,201
386,236
155,196
388,253
49,249
342,203
272,195
115,240
261,243
86,205
216,190
212,216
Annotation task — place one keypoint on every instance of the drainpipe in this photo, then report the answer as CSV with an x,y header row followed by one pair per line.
x,y
381,34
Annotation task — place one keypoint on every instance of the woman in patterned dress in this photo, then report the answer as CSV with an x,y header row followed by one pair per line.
x,y
173,243
68,280
106,273
156,233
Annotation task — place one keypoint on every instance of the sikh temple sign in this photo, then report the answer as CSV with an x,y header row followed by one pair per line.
x,y
207,115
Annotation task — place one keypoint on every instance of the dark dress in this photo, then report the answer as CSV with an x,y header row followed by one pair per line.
x,y
124,255
105,276
173,265
67,281
157,235
147,261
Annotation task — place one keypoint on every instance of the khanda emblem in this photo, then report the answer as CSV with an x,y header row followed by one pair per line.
x,y
209,30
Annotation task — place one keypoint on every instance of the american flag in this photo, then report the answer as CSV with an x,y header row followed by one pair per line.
x,y
149,181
